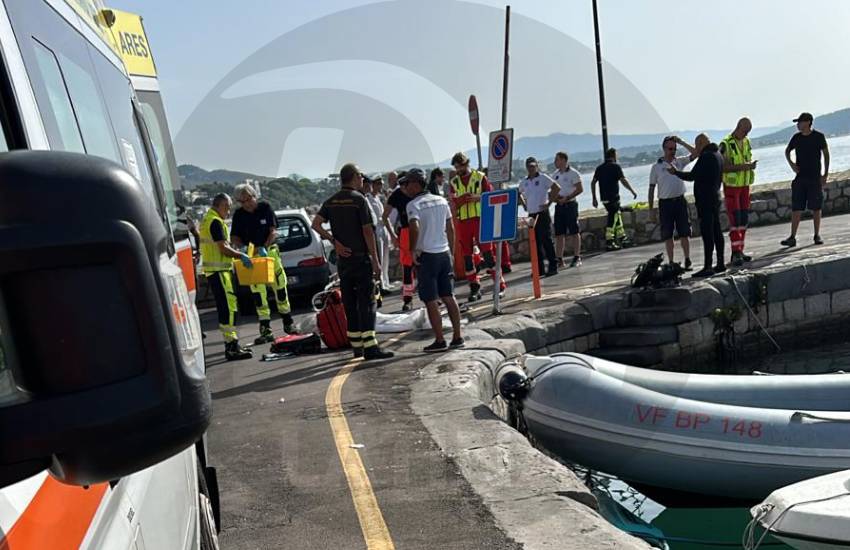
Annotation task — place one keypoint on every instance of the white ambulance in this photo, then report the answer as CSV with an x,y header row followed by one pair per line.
x,y
103,397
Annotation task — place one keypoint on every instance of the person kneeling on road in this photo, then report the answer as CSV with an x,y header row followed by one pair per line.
x,y
216,257
431,231
353,236
255,223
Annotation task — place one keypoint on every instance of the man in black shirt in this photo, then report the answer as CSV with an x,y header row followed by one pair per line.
x,y
707,176
609,175
397,201
353,236
807,187
255,223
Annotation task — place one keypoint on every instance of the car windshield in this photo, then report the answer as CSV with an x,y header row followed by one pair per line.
x,y
292,233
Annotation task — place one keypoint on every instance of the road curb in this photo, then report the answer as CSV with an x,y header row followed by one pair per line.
x,y
535,500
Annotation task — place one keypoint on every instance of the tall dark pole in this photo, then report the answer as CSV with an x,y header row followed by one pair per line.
x,y
497,308
507,64
601,83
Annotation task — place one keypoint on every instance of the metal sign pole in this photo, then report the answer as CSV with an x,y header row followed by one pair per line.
x,y
601,83
497,309
473,124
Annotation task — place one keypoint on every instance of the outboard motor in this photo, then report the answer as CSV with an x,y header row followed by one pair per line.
x,y
512,382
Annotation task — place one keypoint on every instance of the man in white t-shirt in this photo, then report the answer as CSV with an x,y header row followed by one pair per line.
x,y
566,208
537,192
431,239
672,206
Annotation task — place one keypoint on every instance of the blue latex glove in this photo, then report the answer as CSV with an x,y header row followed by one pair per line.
x,y
246,261
262,252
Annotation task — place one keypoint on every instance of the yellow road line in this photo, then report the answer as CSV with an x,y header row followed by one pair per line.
x,y
375,531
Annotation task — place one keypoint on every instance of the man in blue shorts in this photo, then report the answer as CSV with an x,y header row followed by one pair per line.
x,y
431,236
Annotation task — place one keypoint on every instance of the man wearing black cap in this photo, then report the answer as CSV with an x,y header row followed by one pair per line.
x,y
807,188
353,236
537,192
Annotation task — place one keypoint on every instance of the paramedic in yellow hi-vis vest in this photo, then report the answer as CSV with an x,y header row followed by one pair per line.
x,y
738,175
255,223
217,261
465,190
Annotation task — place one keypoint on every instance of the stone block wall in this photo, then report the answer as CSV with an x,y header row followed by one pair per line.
x,y
797,304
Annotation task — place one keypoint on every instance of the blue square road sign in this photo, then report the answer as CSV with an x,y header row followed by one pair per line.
x,y
499,215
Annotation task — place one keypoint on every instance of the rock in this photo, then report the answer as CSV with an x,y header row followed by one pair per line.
x,y
768,217
603,309
816,306
794,309
772,204
690,334
520,327
841,302
783,212
783,197
758,206
562,323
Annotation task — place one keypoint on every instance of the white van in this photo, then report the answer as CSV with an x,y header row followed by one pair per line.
x,y
101,417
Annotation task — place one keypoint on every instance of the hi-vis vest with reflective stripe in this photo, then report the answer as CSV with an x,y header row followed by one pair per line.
x,y
212,258
468,210
738,155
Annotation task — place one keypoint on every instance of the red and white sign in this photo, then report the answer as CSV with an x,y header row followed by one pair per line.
x,y
473,114
501,149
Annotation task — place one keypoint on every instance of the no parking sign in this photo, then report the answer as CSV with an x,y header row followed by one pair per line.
x,y
500,162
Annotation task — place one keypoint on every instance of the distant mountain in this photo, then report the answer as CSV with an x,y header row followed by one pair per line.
x,y
191,176
832,124
588,147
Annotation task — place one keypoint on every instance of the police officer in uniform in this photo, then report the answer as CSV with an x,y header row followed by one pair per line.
x,y
537,192
353,236
255,223
217,258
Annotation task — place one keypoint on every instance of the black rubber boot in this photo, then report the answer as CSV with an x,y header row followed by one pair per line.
x,y
289,324
234,352
266,335
374,352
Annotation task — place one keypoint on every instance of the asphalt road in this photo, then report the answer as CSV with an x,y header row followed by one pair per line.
x,y
281,480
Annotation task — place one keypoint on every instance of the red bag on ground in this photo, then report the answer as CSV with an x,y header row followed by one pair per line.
x,y
299,344
332,322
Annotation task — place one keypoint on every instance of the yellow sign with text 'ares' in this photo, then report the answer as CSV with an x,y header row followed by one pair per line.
x,y
129,34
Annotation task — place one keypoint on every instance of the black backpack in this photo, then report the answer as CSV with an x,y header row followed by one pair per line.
x,y
646,273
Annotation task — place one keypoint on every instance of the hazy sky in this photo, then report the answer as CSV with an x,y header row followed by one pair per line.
x,y
672,65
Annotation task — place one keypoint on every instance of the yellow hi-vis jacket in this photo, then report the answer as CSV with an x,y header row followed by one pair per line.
x,y
468,210
212,258
737,154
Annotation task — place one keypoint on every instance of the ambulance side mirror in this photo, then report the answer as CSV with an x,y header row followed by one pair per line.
x,y
96,375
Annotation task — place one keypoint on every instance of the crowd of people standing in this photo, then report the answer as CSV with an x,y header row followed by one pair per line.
x,y
425,218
